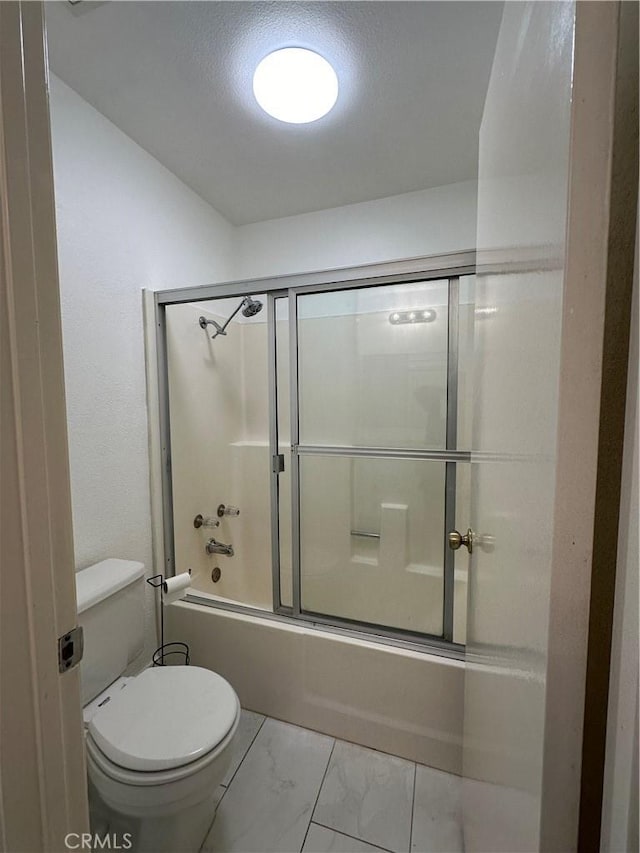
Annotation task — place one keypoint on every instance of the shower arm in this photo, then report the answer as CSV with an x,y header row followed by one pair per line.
x,y
220,330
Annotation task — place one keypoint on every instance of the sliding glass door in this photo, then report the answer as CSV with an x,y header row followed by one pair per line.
x,y
365,454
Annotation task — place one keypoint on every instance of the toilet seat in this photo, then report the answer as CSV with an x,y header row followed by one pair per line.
x,y
99,765
164,723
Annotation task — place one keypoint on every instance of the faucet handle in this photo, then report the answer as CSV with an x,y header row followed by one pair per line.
x,y
205,521
227,510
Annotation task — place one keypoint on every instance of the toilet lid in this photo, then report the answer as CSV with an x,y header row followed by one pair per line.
x,y
166,717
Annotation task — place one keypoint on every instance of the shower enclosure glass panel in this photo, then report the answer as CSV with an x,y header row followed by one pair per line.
x,y
219,423
371,534
372,366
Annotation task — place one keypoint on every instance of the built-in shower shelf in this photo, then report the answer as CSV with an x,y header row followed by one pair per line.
x,y
364,561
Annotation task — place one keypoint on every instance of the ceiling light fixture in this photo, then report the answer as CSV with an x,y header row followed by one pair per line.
x,y
295,85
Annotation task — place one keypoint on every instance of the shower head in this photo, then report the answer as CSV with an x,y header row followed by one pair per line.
x,y
251,307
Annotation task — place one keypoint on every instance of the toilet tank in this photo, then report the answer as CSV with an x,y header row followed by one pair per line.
x,y
110,599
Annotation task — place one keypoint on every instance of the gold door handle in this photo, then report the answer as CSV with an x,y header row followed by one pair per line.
x,y
456,540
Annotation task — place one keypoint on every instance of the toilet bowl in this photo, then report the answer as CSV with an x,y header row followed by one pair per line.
x,y
158,745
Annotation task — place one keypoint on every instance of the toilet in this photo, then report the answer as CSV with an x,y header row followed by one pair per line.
x,y
158,744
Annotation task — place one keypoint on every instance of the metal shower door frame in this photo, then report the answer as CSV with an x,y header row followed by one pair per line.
x,y
450,267
451,456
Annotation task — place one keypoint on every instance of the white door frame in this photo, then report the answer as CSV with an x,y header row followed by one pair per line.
x,y
603,195
42,773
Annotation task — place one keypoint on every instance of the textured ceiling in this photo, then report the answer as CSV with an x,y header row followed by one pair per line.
x,y
176,77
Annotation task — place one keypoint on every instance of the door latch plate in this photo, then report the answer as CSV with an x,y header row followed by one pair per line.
x,y
70,649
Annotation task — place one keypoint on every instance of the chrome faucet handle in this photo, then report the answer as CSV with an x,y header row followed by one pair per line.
x,y
205,521
227,510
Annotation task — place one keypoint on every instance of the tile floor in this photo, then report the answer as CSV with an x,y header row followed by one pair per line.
x,y
290,789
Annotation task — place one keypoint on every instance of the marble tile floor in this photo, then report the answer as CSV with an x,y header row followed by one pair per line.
x,y
292,790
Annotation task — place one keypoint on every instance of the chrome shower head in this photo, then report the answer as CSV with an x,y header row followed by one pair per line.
x,y
251,307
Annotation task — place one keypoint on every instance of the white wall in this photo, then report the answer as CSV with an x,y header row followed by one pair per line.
x,y
124,223
427,222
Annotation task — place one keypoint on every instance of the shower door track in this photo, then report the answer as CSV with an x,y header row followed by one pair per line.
x,y
449,267
416,642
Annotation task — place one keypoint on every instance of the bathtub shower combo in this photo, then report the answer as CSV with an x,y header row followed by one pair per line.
x,y
316,446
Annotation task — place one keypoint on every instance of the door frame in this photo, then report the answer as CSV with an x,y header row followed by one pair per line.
x,y
613,29
601,217
43,794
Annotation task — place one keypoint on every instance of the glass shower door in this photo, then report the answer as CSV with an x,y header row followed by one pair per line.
x,y
372,463
371,533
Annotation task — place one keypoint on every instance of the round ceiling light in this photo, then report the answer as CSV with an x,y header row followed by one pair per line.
x,y
295,85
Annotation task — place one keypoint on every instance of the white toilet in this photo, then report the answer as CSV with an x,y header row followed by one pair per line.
x,y
158,744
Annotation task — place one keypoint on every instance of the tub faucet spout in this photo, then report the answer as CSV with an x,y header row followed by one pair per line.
x,y
215,547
